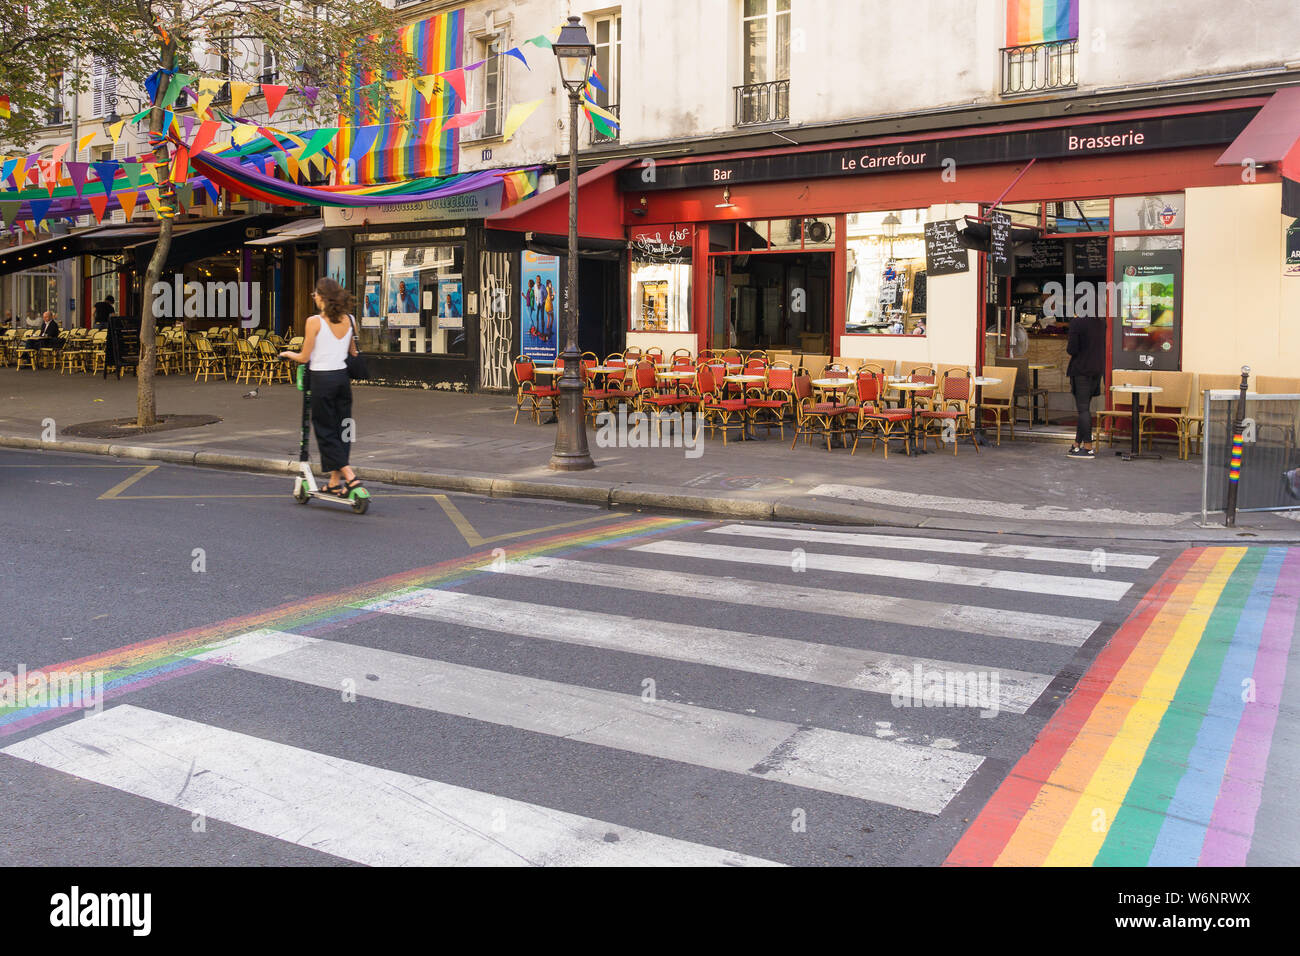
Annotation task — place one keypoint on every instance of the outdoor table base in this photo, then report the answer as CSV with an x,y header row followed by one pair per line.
x,y
1135,452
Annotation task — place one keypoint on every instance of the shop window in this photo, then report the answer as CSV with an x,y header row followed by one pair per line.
x,y
1078,215
886,272
1149,213
661,280
412,300
609,67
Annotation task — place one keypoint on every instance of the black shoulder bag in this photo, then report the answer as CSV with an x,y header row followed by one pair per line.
x,y
356,364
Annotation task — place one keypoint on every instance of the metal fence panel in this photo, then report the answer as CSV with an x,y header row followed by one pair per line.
x,y
1272,421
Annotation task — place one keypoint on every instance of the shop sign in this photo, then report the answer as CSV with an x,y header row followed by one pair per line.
x,y
1293,250
1095,139
669,243
472,205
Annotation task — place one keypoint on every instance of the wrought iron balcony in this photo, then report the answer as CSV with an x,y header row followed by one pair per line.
x,y
598,138
763,103
1039,67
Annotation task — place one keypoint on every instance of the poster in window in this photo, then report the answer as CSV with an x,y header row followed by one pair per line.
x,y
403,311
540,302
371,304
1148,327
1293,249
336,266
450,308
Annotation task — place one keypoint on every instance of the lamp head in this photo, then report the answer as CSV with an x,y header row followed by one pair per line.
x,y
575,52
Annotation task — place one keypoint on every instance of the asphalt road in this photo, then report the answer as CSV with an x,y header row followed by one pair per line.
x,y
456,679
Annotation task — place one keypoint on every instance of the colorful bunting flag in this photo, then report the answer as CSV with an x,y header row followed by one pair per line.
x,y
98,205
39,207
426,86
237,93
9,212
319,140
132,171
178,83
274,93
128,200
457,80
206,134
59,152
364,139
181,165
115,130
461,120
515,118
541,42
8,167
86,141
519,55
105,171
77,173
4,108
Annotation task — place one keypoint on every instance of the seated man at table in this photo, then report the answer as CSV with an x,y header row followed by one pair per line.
x,y
49,334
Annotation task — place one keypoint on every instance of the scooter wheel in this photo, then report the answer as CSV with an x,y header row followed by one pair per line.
x,y
302,497
360,505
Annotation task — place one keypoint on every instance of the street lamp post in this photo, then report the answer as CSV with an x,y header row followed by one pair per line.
x,y
574,51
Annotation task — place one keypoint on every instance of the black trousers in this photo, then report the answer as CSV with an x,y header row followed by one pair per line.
x,y
1084,388
331,408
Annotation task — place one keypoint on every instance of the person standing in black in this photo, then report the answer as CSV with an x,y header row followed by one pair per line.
x,y
1087,349
102,311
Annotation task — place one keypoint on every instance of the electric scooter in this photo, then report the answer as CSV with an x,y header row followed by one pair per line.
x,y
304,485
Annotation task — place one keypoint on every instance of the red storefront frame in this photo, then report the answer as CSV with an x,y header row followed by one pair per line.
x,y
1162,171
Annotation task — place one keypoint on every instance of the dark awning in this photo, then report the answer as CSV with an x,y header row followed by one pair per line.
x,y
600,208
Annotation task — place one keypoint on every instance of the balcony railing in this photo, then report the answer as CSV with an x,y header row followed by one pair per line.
x,y
763,103
1039,67
598,138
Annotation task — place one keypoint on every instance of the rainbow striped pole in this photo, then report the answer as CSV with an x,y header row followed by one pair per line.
x,y
1234,461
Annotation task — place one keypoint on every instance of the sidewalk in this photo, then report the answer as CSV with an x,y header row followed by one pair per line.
x,y
464,442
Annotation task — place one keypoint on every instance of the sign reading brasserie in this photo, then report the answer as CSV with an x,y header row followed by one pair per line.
x,y
1098,139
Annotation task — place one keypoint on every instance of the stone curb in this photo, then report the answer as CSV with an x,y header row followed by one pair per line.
x,y
659,497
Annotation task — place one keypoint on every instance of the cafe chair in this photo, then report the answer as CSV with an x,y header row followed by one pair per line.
x,y
529,390
719,411
768,406
884,424
997,400
1170,406
953,406
812,416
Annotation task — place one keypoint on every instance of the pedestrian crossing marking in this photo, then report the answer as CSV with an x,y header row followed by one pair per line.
x,y
884,608
905,775
1021,581
350,810
1090,558
475,540
847,667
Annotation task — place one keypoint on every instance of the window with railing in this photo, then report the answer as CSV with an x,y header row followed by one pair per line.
x,y
607,69
1039,67
1042,45
764,94
58,113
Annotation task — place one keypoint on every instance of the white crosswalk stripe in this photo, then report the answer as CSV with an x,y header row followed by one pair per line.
x,y
903,775
1097,588
341,807
738,650
1093,558
887,608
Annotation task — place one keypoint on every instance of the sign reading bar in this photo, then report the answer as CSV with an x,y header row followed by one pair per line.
x,y
1014,146
1000,243
945,254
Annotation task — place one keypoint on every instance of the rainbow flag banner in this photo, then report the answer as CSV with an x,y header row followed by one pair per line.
x,y
1041,21
424,148
1159,755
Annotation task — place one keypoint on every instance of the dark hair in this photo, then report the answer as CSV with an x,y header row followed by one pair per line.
x,y
337,301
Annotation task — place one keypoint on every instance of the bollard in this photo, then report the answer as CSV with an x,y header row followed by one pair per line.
x,y
1234,459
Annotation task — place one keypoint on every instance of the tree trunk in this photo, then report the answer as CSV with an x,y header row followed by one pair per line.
x,y
146,412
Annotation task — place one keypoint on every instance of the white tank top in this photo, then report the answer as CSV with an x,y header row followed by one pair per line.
x,y
329,351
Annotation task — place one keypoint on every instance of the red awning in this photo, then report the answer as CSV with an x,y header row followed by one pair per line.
x,y
600,209
1271,135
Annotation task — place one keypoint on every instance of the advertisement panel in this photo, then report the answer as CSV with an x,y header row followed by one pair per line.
x,y
540,305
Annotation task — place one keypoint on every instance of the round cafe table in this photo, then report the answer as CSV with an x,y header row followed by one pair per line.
x,y
979,382
678,379
911,388
1135,447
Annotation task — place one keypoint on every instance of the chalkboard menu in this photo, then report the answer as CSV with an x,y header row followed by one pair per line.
x,y
918,294
945,254
1090,255
123,344
1046,256
1000,243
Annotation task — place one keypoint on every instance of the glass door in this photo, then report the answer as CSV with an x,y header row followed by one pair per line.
x,y
722,305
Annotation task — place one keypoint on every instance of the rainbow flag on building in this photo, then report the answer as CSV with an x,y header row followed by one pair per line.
x,y
1041,21
423,148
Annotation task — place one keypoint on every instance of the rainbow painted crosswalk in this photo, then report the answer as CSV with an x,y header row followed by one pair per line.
x,y
1158,757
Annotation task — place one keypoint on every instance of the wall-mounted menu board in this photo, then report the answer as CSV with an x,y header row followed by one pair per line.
x,y
1000,243
1090,255
945,254
1046,256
